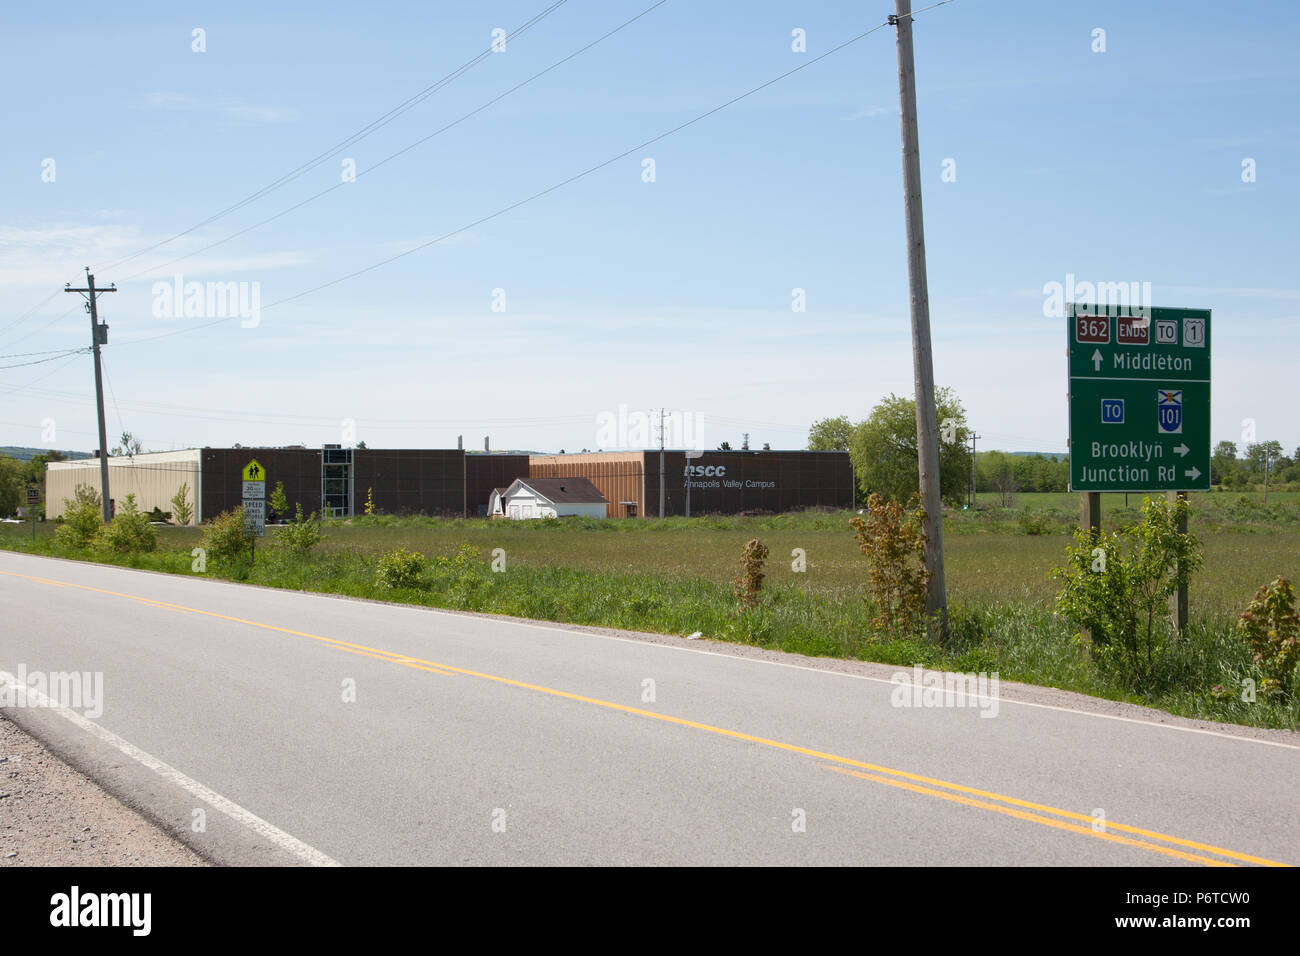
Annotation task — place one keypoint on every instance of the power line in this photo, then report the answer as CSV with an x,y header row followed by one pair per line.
x,y
356,137
54,358
46,352
404,149
57,318
537,195
111,394
304,168
20,318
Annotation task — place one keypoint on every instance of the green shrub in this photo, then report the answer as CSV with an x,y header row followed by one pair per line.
x,y
83,518
463,575
279,500
893,541
1118,586
1031,522
302,534
1271,627
400,569
182,511
227,539
129,532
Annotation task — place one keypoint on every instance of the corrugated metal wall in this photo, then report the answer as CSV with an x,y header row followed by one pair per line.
x,y
619,476
485,472
760,481
410,481
223,478
153,479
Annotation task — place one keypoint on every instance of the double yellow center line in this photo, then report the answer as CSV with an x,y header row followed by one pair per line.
x,y
1054,817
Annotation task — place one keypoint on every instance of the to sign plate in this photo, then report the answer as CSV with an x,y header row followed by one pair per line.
x,y
255,489
1139,399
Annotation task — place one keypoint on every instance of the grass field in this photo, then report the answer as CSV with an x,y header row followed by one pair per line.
x,y
674,576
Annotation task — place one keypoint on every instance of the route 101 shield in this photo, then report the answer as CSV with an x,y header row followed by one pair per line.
x,y
1169,405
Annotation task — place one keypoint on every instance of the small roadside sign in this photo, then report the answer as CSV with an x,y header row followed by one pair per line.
x,y
255,516
33,496
254,476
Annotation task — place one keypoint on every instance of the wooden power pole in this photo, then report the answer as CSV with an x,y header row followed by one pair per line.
x,y
927,426
98,336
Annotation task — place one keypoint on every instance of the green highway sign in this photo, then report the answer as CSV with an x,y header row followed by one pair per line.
x,y
1139,399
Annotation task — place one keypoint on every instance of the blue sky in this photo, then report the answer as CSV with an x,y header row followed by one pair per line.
x,y
1115,166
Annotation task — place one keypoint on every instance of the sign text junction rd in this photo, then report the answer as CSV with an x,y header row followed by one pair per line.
x,y
1139,399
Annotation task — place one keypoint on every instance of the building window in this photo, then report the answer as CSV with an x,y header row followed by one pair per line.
x,y
336,482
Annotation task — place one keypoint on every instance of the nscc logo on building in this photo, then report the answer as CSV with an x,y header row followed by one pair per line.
x,y
706,471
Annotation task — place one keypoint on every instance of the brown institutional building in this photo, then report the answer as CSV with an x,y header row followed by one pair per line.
x,y
452,482
715,482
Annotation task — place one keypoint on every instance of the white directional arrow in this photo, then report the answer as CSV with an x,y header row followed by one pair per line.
x,y
1193,473
1182,450
1096,360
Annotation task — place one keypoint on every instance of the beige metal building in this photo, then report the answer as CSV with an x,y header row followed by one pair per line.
x,y
153,478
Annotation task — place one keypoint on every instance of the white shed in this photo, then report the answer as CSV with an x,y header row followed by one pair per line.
x,y
553,498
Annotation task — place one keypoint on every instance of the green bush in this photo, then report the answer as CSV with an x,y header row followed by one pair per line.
x,y
302,534
1271,627
279,500
129,532
227,539
400,569
1031,522
893,541
1118,586
182,510
83,518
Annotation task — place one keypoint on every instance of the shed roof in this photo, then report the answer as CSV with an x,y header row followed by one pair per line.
x,y
564,490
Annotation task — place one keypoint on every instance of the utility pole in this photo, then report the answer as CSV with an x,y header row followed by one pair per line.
x,y
1268,457
927,426
661,462
98,336
974,486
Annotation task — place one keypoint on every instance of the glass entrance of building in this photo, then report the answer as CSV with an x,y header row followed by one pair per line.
x,y
336,481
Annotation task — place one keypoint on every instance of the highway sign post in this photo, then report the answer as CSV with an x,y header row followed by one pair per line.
x,y
1139,400
254,477
33,502
1139,397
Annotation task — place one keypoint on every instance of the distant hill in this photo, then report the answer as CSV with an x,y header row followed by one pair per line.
x,y
27,454
1053,455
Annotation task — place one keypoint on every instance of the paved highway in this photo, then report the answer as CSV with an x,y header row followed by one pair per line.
x,y
267,726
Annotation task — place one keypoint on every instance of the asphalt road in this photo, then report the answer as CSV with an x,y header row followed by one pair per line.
x,y
268,726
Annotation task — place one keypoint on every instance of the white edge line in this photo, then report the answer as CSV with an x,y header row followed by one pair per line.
x,y
215,800
420,608
882,680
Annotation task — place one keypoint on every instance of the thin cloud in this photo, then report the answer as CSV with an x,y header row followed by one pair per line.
x,y
872,111
233,109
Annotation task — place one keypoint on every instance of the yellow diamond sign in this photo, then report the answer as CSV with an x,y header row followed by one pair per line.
x,y
254,471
